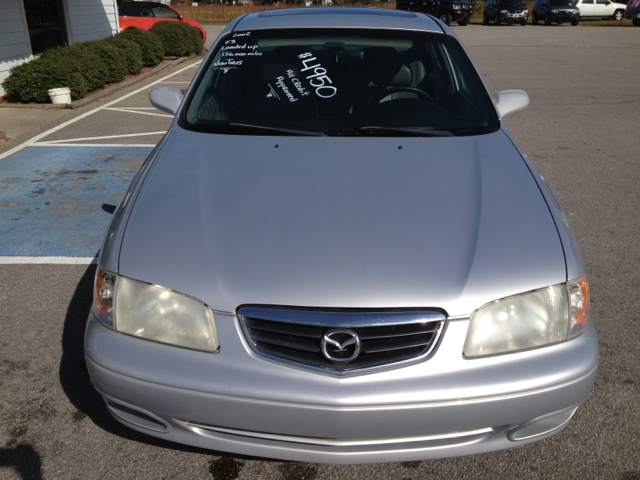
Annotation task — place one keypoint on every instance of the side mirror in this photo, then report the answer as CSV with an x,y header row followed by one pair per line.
x,y
167,99
509,102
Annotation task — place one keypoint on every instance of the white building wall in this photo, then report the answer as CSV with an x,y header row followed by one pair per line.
x,y
91,19
85,20
15,47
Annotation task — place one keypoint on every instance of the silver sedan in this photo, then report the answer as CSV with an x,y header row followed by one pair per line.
x,y
338,254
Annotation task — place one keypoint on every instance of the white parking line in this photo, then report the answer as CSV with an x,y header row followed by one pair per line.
x,y
53,142
35,139
48,260
139,113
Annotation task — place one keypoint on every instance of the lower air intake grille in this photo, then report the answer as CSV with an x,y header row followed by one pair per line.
x,y
341,342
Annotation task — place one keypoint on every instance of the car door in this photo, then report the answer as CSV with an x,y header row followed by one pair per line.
x,y
540,9
490,8
586,8
430,7
603,8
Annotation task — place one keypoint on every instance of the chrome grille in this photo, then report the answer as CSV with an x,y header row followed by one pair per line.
x,y
385,338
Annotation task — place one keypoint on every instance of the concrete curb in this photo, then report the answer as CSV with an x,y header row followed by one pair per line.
x,y
107,91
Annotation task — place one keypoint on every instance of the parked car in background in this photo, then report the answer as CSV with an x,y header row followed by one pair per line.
x,y
600,9
337,253
633,12
505,11
555,11
144,15
446,10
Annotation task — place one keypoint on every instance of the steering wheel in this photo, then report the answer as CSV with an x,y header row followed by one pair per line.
x,y
382,95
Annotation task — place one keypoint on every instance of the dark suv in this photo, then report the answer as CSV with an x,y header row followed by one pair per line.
x,y
557,11
446,10
505,11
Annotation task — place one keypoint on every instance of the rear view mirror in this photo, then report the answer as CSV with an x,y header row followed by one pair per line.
x,y
166,99
509,102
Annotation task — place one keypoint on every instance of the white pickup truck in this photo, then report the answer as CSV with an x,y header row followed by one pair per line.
x,y
596,9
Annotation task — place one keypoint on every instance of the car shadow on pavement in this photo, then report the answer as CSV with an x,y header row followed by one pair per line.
x,y
76,383
24,459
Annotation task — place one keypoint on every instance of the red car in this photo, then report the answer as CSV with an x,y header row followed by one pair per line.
x,y
145,15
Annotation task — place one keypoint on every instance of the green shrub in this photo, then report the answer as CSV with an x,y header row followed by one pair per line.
x,y
179,38
131,51
113,58
150,45
30,81
79,58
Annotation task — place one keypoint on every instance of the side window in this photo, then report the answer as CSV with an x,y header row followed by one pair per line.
x,y
602,2
165,12
587,2
146,13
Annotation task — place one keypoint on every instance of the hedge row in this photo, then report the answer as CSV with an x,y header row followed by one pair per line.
x,y
178,38
87,66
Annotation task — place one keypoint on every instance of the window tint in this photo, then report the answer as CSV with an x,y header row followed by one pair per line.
x,y
329,80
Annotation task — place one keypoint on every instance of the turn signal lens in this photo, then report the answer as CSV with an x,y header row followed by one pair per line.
x,y
580,306
103,294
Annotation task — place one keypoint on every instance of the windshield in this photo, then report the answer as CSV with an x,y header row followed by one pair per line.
x,y
339,82
561,3
510,3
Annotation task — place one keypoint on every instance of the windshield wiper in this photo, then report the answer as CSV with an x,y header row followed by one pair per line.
x,y
233,127
373,130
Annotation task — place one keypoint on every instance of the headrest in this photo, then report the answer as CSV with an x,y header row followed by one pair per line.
x,y
392,74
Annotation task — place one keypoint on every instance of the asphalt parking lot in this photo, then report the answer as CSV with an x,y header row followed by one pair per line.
x,y
64,171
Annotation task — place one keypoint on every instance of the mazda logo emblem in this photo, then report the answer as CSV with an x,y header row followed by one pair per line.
x,y
341,345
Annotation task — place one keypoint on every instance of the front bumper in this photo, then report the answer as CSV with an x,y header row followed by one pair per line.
x,y
564,17
457,15
236,401
510,17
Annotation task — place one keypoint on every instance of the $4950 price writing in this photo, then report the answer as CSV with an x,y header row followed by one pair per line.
x,y
319,79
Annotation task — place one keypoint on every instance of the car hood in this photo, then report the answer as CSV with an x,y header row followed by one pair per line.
x,y
448,223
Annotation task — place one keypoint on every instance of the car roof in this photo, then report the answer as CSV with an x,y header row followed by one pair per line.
x,y
338,17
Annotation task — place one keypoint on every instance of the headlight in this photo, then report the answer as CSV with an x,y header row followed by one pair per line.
x,y
554,11
529,320
153,313
525,12
456,7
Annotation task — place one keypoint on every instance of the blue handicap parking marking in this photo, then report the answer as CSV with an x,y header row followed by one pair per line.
x,y
51,198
